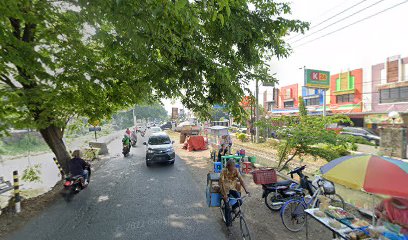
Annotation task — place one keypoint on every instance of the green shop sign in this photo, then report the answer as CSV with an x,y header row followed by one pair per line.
x,y
317,79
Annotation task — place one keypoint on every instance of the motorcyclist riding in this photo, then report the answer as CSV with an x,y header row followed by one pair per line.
x,y
126,140
77,166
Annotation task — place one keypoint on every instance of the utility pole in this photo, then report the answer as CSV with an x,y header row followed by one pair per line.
x,y
134,116
256,111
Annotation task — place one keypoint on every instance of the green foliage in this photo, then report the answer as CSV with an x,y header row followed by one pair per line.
x,y
32,173
28,143
302,136
242,137
302,107
151,111
154,111
92,58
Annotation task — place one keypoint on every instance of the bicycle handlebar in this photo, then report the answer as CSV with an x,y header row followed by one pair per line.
x,y
240,198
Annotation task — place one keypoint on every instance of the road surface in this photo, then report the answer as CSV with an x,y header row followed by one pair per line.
x,y
127,200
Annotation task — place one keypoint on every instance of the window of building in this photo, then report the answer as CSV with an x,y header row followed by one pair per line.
x,y
383,76
404,72
345,98
312,101
392,95
310,91
270,106
288,93
288,104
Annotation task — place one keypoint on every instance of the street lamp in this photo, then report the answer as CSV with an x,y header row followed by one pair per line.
x,y
393,115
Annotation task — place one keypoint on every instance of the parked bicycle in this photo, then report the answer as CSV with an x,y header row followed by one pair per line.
x,y
238,214
292,213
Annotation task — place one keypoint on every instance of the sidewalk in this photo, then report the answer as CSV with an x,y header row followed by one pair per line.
x,y
263,223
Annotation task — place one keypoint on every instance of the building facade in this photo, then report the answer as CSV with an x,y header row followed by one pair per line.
x,y
271,99
346,92
288,96
389,83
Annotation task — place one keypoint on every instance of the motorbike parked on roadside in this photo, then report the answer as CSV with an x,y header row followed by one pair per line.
x,y
75,184
276,194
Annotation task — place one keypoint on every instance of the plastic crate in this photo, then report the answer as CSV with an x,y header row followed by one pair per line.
x,y
264,176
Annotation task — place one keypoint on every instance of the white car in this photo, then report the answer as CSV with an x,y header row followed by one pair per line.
x,y
155,129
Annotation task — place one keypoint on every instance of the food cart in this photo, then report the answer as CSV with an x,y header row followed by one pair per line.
x,y
215,134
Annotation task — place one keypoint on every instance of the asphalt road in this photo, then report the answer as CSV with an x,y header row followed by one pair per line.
x,y
127,200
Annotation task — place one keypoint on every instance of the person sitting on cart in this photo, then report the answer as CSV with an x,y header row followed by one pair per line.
x,y
222,151
228,183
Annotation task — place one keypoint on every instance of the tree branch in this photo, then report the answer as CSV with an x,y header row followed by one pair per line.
x,y
28,35
7,81
290,159
15,23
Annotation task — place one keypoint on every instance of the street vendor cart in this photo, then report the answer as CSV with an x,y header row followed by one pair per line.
x,y
215,139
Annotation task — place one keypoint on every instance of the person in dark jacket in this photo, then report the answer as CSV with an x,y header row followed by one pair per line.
x,y
222,151
77,166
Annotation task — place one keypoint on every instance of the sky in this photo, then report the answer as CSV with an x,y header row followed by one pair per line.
x,y
359,46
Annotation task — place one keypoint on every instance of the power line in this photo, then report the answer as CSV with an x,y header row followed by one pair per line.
x,y
349,25
340,20
320,23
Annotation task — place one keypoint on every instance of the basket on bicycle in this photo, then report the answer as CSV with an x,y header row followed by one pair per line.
x,y
264,176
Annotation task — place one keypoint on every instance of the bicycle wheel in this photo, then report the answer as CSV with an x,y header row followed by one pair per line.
x,y
336,200
244,229
271,199
293,215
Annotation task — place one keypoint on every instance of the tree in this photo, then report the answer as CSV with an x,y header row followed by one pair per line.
x,y
302,107
305,135
153,111
66,58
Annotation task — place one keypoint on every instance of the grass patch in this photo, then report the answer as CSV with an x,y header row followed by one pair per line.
x,y
24,145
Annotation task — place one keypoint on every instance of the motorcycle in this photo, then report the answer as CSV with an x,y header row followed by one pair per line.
x,y
75,184
276,194
142,133
133,139
126,150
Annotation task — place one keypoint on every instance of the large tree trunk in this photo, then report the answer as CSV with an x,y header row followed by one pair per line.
x,y
53,137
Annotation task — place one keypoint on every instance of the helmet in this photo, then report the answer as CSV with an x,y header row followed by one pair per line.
x,y
328,187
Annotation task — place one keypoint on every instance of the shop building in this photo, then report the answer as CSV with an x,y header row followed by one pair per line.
x,y
313,99
346,95
389,93
271,99
288,100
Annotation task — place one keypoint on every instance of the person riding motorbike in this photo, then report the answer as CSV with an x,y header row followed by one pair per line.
x,y
229,187
133,136
77,166
128,132
126,140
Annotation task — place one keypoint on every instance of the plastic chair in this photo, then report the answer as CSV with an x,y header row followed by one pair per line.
x,y
247,167
238,166
217,167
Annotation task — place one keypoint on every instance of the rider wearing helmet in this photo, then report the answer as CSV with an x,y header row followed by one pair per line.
x,y
126,140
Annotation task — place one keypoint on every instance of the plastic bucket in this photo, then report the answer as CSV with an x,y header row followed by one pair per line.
x,y
252,159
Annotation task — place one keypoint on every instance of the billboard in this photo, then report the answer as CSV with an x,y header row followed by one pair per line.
x,y
317,79
174,113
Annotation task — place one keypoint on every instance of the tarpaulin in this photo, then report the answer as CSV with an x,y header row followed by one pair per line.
x,y
196,143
